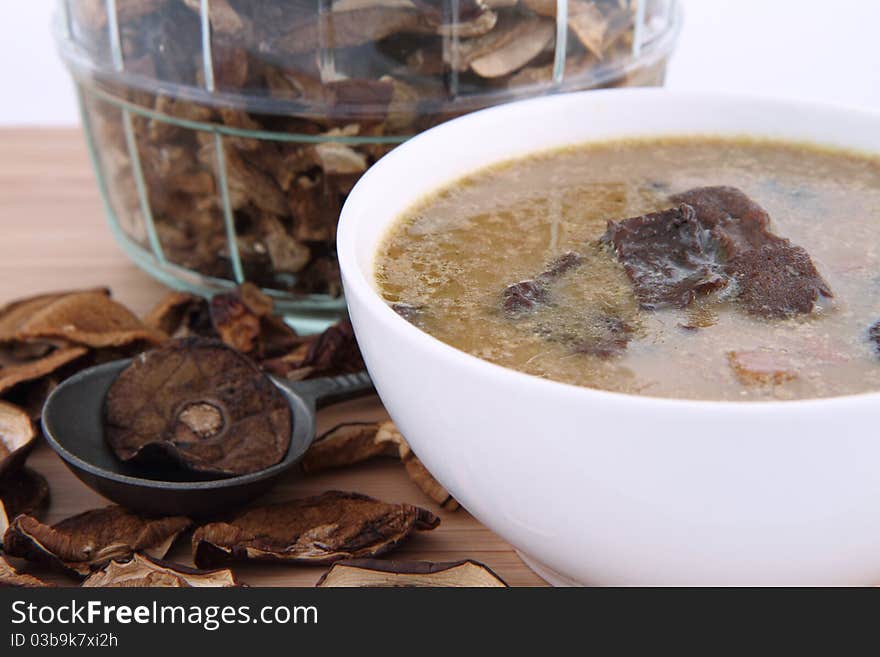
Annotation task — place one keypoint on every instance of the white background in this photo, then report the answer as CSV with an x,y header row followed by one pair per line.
x,y
816,49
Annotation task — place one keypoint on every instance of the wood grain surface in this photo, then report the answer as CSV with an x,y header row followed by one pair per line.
x,y
53,235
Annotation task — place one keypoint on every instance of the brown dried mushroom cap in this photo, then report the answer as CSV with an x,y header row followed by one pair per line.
x,y
17,437
314,530
142,571
517,53
376,573
9,576
90,540
15,370
90,318
17,312
199,404
179,314
354,442
25,491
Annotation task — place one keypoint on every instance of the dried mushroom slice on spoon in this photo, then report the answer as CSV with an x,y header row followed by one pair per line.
x,y
313,530
143,571
90,540
378,573
354,442
199,404
17,437
10,577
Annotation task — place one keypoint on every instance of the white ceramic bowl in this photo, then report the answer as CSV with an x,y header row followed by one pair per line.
x,y
595,487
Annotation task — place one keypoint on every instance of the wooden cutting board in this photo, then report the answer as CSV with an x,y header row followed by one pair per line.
x,y
53,236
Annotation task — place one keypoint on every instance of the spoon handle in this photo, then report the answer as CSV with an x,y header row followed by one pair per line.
x,y
333,389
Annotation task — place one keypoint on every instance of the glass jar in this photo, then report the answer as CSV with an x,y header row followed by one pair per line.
x,y
226,134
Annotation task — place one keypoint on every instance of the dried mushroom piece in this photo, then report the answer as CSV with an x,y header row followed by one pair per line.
x,y
89,318
355,442
18,368
512,44
180,315
335,351
142,571
244,320
314,530
17,437
378,573
90,540
774,278
23,492
199,404
10,577
528,42
761,367
669,257
524,297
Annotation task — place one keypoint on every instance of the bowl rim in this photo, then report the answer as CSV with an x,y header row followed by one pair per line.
x,y
359,284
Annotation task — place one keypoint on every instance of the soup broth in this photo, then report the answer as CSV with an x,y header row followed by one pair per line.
x,y
518,265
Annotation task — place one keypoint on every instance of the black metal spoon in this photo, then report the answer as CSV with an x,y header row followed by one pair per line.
x,y
73,426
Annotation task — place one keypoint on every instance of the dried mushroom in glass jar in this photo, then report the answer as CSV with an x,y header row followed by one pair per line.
x,y
379,573
23,492
308,97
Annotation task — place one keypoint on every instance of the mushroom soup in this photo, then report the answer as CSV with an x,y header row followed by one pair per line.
x,y
687,267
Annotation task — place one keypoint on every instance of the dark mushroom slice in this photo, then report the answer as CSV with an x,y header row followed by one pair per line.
x,y
90,540
378,573
142,571
335,351
10,577
17,437
314,530
355,442
198,404
522,298
23,492
669,257
774,278
89,318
